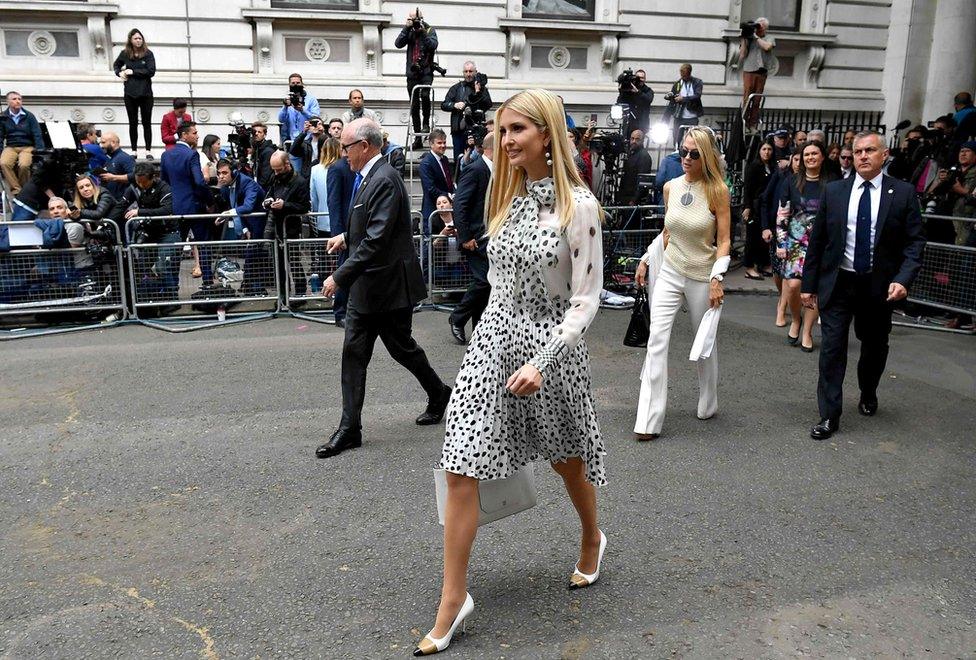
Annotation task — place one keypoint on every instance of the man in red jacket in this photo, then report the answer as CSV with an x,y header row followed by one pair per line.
x,y
172,120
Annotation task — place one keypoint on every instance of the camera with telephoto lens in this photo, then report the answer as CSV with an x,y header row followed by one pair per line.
x,y
296,95
140,230
609,145
627,79
59,169
748,29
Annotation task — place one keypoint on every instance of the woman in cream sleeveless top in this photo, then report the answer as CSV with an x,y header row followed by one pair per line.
x,y
697,244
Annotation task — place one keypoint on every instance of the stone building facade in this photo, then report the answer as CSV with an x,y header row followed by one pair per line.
x,y
901,57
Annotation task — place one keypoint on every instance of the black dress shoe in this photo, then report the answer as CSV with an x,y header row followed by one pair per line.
x,y
457,331
825,429
435,409
867,408
340,323
340,441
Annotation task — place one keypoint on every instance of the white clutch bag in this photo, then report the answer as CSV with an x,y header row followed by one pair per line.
x,y
498,498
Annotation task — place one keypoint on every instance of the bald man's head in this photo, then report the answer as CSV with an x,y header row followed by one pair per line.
x,y
110,142
280,164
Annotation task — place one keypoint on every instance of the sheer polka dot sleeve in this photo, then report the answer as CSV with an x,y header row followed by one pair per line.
x,y
585,241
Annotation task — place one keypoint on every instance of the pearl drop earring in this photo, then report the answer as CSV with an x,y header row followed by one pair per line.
x,y
548,159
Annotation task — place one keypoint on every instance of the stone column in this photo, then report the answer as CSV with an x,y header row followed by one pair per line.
x,y
952,62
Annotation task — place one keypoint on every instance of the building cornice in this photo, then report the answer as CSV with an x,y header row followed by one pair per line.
x,y
19,6
316,15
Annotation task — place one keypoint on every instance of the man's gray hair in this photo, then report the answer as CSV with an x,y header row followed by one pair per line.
x,y
370,131
820,135
866,134
471,62
52,200
763,20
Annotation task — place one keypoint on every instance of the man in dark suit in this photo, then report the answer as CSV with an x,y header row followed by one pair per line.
x,y
180,168
384,280
436,180
469,221
864,253
338,196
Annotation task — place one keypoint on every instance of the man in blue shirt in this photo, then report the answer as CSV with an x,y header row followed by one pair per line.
x,y
20,135
88,138
294,115
119,168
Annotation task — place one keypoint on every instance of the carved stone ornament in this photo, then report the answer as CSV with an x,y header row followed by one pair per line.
x,y
264,115
379,117
817,56
108,114
203,114
609,43
47,114
317,49
516,40
77,115
559,57
42,43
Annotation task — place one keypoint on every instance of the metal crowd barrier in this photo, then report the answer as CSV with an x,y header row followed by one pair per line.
x,y
240,280
946,281
307,265
70,287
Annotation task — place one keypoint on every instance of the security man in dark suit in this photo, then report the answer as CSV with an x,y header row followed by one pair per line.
x,y
469,221
384,280
864,253
339,195
436,180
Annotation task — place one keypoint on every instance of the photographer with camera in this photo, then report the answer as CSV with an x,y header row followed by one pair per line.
x,y
88,139
261,151
147,198
20,135
296,109
633,92
756,59
467,101
119,167
684,103
638,162
307,147
420,40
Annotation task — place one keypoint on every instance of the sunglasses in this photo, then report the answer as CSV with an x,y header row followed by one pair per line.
x,y
694,154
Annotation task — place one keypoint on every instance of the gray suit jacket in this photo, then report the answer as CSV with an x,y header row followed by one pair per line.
x,y
382,272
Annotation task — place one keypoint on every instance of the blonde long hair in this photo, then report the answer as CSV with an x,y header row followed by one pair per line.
x,y
543,109
79,200
331,152
713,173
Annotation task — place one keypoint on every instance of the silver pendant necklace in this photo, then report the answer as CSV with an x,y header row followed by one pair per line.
x,y
687,198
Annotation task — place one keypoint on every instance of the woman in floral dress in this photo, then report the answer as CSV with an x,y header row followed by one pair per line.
x,y
794,221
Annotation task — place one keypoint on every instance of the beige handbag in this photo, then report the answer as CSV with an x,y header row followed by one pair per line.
x,y
497,498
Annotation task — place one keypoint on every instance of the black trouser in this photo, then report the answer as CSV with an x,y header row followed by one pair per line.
x,y
422,98
133,106
757,250
851,300
678,123
394,328
476,297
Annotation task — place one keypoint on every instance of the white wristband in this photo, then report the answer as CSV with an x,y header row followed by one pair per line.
x,y
721,265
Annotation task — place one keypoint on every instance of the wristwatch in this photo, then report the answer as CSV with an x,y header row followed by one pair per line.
x,y
718,277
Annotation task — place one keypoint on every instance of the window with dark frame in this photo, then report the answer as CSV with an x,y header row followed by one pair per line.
x,y
579,10
783,15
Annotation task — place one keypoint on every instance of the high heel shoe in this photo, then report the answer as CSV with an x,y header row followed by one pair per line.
x,y
431,645
579,580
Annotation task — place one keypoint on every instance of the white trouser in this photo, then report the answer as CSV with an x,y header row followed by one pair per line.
x,y
669,289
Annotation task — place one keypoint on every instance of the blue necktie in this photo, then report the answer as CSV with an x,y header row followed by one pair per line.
x,y
862,240
355,188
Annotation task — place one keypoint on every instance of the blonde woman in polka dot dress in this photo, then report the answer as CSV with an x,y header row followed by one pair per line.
x,y
523,390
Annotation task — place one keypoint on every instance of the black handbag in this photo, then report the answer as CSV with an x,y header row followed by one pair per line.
x,y
639,328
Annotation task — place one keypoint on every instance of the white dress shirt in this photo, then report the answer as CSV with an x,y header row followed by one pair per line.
x,y
852,204
687,89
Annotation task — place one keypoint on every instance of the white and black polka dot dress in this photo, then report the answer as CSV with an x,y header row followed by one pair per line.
x,y
546,284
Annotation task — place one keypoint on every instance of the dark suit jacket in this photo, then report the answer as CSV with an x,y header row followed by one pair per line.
x,y
469,201
434,185
338,195
382,272
248,195
180,168
898,241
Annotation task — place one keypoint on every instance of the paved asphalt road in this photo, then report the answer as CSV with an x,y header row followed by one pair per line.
x,y
160,498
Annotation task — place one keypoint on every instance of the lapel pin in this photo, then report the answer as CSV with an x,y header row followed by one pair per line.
x,y
891,190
